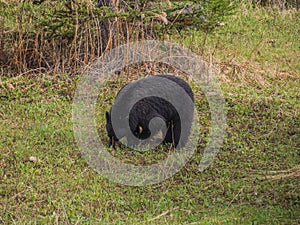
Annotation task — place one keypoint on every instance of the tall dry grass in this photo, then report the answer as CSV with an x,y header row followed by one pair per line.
x,y
26,46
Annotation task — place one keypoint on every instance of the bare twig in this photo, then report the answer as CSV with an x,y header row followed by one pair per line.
x,y
240,191
168,212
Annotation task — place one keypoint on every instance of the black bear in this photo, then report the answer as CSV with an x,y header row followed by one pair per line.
x,y
153,97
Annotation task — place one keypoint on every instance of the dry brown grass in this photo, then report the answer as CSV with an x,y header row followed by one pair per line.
x,y
291,173
25,47
282,4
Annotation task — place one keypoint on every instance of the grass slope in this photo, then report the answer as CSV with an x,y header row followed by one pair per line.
x,y
254,179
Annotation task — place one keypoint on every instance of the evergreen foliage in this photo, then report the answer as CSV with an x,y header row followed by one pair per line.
x,y
62,17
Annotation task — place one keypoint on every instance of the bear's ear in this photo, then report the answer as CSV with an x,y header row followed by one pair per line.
x,y
107,117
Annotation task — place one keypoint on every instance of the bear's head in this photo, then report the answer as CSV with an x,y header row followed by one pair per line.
x,y
110,131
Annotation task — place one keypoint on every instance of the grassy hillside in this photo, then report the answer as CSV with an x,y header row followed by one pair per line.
x,y
253,180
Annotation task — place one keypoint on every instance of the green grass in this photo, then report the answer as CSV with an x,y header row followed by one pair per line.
x,y
253,180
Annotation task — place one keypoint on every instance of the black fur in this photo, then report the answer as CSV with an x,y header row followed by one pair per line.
x,y
150,107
